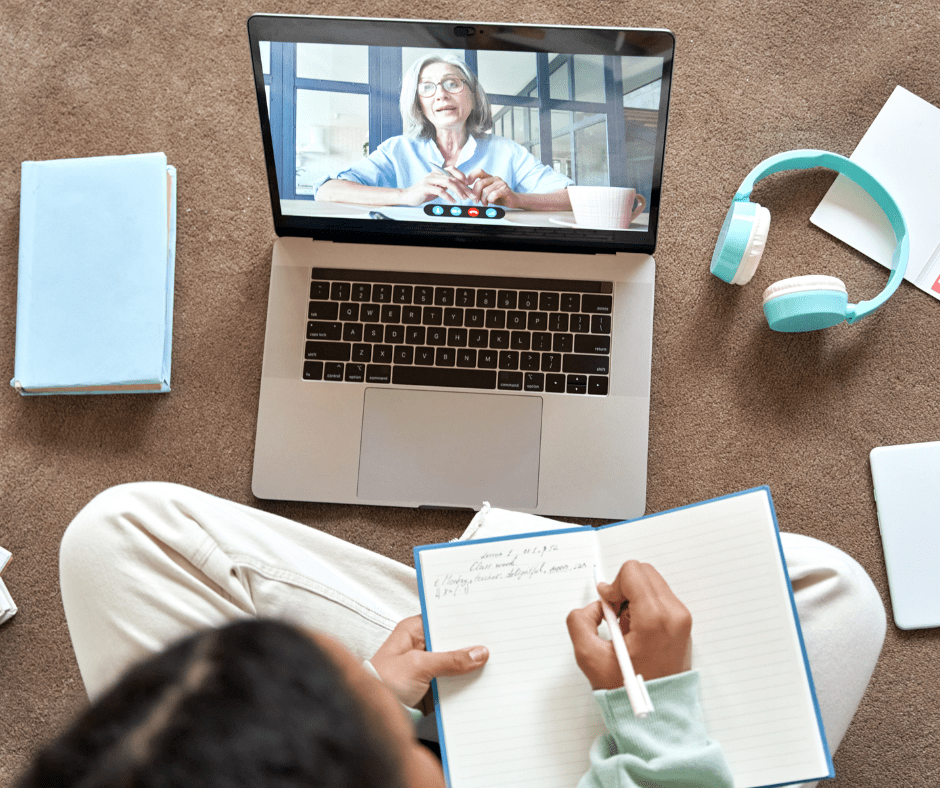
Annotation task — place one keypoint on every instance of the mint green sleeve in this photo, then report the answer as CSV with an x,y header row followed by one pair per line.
x,y
667,749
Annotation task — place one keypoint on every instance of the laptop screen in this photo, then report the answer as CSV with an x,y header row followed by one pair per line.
x,y
444,133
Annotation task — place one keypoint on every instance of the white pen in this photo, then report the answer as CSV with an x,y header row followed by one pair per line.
x,y
633,683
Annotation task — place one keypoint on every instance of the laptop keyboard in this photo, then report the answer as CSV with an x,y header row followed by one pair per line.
x,y
457,331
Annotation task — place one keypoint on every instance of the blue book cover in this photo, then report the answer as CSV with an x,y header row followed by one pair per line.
x,y
94,306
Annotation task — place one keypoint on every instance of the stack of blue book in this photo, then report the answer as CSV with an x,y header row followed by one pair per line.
x,y
94,305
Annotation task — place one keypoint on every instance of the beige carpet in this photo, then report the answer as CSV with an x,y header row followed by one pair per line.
x,y
734,405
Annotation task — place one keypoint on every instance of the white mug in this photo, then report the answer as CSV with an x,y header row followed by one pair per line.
x,y
609,207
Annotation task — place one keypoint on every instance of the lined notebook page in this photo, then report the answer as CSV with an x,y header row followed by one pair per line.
x,y
722,560
528,717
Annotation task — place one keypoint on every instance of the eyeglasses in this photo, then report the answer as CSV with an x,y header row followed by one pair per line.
x,y
451,85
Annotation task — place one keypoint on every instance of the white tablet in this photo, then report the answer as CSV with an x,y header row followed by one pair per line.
x,y
907,494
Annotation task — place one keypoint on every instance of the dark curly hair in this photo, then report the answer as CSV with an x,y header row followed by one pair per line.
x,y
256,703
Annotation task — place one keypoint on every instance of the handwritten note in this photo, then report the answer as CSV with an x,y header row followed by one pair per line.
x,y
528,717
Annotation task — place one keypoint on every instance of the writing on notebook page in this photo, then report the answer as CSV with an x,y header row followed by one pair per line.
x,y
493,566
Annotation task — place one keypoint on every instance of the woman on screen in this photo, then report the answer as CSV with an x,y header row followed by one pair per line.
x,y
447,153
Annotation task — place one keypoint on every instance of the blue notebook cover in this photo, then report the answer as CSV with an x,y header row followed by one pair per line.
x,y
758,695
94,305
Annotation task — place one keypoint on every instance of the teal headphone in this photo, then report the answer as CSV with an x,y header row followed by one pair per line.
x,y
801,303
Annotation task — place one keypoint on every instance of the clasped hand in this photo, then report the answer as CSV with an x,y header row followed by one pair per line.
x,y
452,184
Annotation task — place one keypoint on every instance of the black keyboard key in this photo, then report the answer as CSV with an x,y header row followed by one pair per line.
x,y
541,341
529,362
601,304
453,317
515,321
444,296
373,333
528,300
355,373
370,313
548,302
474,318
432,316
349,311
323,310
362,354
555,384
479,337
466,357
580,324
598,385
499,340
448,378
352,332
437,336
486,299
562,343
361,292
424,295
317,329
319,291
533,381
519,340
538,321
587,365
570,302
424,356
506,299
391,313
495,318
378,373
313,370
382,294
327,351
600,324
332,371
445,357
382,354
558,321
414,335
457,337
340,291
404,354
411,315
394,335
577,384
592,343
510,381
508,359
465,297
488,359
401,294
551,362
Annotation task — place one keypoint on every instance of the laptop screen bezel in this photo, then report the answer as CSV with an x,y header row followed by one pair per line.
x,y
460,35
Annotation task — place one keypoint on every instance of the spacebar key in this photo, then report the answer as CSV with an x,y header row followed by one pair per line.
x,y
450,378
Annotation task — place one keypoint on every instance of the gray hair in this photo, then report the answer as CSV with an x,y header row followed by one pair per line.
x,y
417,125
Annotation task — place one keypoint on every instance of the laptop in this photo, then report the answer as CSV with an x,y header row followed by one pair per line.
x,y
441,330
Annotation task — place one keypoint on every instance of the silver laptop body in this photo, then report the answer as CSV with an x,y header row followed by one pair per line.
x,y
522,433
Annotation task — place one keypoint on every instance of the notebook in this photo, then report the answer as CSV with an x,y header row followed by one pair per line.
x,y
94,301
425,345
905,486
723,560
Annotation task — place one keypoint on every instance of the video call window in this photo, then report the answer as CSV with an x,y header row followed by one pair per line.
x,y
592,118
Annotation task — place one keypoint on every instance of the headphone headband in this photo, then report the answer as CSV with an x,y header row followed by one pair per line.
x,y
808,159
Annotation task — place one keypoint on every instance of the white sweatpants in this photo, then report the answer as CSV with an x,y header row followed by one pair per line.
x,y
146,564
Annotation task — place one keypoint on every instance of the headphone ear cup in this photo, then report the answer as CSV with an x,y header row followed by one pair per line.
x,y
805,303
741,242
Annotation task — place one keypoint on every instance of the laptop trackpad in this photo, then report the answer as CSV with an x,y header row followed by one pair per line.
x,y
425,447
